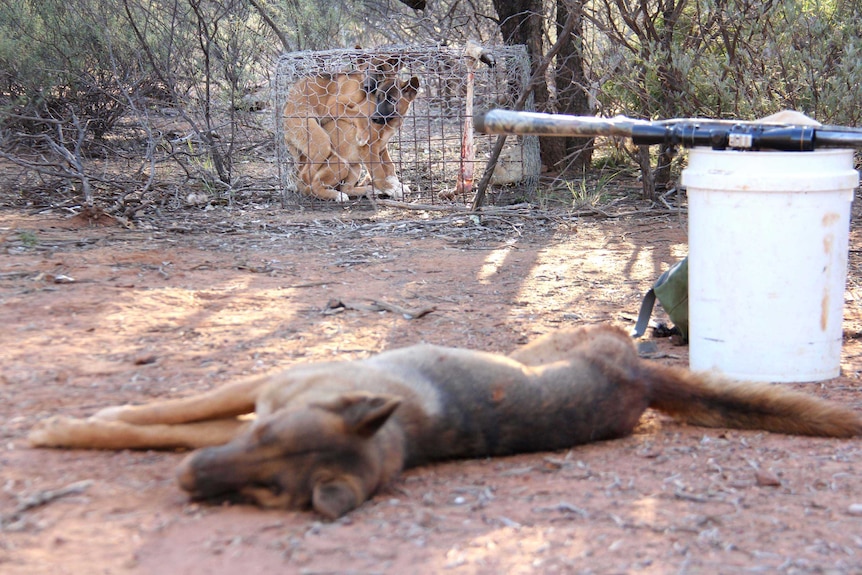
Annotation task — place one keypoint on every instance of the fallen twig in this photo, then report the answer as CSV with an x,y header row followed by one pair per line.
x,y
42,498
311,284
334,306
563,507
421,207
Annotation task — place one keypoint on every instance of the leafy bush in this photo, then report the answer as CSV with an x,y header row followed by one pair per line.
x,y
726,59
61,58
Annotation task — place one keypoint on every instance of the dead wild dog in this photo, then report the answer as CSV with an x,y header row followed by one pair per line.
x,y
328,435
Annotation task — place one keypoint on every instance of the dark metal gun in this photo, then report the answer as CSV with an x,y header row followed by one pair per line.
x,y
686,132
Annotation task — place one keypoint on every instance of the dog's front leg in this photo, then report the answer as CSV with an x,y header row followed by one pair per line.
x,y
226,401
101,434
384,181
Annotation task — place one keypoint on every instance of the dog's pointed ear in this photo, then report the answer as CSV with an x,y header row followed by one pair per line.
x,y
409,88
363,413
332,499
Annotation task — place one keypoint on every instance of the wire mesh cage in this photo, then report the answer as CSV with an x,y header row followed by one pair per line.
x,y
397,122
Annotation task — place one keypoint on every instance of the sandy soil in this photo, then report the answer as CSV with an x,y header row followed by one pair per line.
x,y
95,315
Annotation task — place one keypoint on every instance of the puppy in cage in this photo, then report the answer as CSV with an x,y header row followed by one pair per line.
x,y
354,122
361,142
336,123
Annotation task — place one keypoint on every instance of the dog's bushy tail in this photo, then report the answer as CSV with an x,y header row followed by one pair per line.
x,y
709,401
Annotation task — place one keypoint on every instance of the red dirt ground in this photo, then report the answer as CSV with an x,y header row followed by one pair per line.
x,y
102,315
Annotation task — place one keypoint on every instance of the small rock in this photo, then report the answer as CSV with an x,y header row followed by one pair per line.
x,y
855,509
144,359
647,347
197,198
425,519
767,479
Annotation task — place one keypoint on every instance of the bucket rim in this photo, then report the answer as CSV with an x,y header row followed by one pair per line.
x,y
770,171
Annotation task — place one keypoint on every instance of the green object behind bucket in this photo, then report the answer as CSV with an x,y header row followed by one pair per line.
x,y
671,289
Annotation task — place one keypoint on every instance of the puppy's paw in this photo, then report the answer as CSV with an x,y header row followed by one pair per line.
x,y
332,195
393,188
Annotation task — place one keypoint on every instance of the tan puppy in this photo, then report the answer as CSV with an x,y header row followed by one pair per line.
x,y
318,100
328,435
341,171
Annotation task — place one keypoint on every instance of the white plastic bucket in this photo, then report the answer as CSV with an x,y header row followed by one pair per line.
x,y
768,240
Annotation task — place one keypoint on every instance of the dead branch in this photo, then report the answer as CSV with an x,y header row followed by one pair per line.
x,y
41,498
335,306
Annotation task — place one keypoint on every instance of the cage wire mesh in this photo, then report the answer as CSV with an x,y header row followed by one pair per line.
x,y
426,150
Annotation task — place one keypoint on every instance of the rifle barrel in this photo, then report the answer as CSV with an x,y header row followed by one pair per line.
x,y
837,138
538,124
688,133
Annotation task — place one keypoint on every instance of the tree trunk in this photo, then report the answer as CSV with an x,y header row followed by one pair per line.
x,y
522,22
642,157
572,155
672,85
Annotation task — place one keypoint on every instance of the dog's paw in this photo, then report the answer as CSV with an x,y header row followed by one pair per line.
x,y
332,195
114,413
52,431
393,188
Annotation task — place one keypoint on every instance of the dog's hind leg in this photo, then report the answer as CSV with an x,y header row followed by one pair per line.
x,y
349,174
600,342
102,434
226,401
305,137
329,177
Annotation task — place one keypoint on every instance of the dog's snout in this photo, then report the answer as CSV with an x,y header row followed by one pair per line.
x,y
384,112
186,476
198,475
